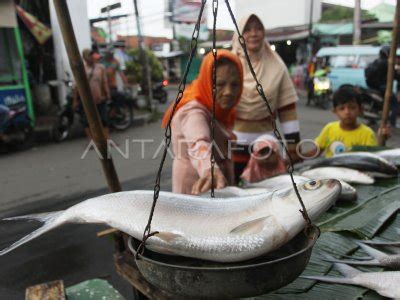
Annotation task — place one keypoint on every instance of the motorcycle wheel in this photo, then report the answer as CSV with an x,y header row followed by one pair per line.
x,y
324,101
121,116
164,97
29,138
61,130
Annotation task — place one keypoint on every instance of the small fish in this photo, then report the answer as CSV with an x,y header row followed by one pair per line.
x,y
347,194
384,283
339,173
224,230
366,162
376,258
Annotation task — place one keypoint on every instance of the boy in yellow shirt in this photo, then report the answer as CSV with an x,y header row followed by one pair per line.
x,y
339,136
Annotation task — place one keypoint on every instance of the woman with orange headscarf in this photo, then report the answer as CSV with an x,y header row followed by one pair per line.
x,y
191,126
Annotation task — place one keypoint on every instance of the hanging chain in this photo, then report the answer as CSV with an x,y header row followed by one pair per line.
x,y
167,135
214,94
276,132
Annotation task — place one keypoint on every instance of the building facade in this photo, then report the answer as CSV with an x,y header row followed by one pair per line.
x,y
280,13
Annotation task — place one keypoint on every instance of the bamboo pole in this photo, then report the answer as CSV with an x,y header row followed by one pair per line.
x,y
390,75
96,128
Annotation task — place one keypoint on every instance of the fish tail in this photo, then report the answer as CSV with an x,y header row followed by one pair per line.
x,y
50,220
42,217
341,280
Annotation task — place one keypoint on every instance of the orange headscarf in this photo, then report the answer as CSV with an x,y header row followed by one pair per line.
x,y
201,90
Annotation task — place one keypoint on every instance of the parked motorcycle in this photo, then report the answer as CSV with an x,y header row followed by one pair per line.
x,y
158,89
119,109
17,129
372,104
322,89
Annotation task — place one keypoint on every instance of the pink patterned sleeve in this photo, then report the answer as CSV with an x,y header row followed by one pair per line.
x,y
195,126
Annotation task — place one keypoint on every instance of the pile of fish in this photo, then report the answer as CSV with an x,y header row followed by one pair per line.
x,y
224,230
370,163
348,168
384,283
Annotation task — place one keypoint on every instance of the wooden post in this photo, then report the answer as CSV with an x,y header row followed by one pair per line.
x,y
390,74
82,84
97,129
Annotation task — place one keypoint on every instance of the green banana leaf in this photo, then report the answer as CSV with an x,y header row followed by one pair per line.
x,y
373,215
366,218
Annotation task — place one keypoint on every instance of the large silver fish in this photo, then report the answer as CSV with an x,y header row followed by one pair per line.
x,y
347,194
376,258
384,283
339,173
234,191
277,182
225,230
367,162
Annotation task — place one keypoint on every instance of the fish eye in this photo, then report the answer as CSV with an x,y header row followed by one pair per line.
x,y
312,185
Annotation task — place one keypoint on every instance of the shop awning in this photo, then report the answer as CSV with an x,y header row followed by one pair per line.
x,y
7,14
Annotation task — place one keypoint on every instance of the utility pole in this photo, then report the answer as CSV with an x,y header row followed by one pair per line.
x,y
108,10
390,74
310,23
357,23
109,25
143,57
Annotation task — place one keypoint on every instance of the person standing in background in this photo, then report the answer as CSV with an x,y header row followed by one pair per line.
x,y
97,78
253,118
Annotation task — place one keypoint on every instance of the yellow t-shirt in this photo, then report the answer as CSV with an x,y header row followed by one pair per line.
x,y
333,139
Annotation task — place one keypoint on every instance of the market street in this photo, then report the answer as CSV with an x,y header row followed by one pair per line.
x,y
53,177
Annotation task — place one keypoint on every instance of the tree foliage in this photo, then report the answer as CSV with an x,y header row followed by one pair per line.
x,y
341,13
134,68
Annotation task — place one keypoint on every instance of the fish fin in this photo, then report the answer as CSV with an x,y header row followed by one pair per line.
x,y
340,265
251,227
371,251
358,257
341,280
51,221
42,217
169,236
338,262
382,243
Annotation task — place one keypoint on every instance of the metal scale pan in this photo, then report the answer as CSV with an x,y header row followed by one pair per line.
x,y
205,279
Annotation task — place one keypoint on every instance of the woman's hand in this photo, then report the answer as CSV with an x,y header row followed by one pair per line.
x,y
203,184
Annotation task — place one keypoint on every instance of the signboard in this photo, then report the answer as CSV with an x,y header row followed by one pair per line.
x,y
12,97
186,30
187,11
8,18
185,14
111,7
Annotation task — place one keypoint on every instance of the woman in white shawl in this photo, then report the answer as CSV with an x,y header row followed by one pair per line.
x,y
253,118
